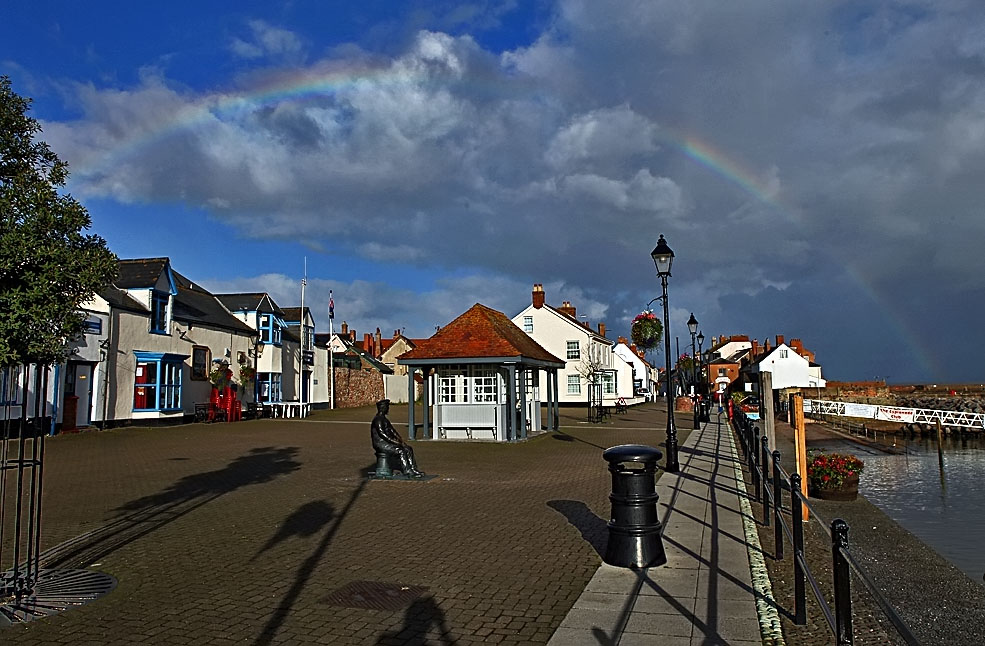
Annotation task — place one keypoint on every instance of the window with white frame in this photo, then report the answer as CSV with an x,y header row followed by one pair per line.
x,y
9,380
574,350
528,324
574,384
450,386
608,383
483,385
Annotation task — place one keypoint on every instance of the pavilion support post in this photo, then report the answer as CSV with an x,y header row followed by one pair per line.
x,y
557,400
550,399
410,402
426,414
511,403
523,403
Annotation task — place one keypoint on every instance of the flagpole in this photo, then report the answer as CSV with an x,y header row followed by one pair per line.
x,y
331,358
304,337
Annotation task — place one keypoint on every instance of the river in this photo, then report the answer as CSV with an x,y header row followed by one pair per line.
x,y
943,507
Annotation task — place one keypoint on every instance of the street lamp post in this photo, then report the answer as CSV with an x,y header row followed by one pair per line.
x,y
692,326
663,258
702,378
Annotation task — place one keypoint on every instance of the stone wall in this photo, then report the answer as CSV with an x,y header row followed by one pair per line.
x,y
360,386
851,391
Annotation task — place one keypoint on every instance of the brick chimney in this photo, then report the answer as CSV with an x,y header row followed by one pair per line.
x,y
779,340
623,339
566,308
345,329
601,329
766,345
537,298
797,345
378,345
755,348
368,343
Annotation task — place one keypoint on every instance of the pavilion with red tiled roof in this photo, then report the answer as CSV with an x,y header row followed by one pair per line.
x,y
486,378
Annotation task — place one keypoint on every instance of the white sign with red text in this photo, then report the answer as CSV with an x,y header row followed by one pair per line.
x,y
896,414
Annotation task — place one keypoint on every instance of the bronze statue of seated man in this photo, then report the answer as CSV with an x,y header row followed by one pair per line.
x,y
387,442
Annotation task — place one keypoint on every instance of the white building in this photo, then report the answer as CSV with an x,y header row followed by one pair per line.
x,y
588,354
643,375
789,369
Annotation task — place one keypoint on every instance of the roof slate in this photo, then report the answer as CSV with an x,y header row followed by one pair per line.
x,y
481,332
195,304
139,272
248,302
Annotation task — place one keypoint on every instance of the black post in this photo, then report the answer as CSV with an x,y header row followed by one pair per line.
x,y
777,508
799,584
754,452
765,463
672,465
842,583
696,417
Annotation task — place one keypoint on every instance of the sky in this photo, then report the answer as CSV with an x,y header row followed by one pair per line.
x,y
817,167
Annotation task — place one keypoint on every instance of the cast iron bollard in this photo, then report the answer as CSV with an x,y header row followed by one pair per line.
x,y
634,528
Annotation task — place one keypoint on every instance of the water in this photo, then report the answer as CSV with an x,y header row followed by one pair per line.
x,y
943,508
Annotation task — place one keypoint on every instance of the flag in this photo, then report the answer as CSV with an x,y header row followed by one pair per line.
x,y
331,305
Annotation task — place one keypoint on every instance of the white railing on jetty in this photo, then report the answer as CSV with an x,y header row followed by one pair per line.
x,y
896,414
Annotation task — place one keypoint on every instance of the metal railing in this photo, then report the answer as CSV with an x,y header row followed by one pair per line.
x,y
768,482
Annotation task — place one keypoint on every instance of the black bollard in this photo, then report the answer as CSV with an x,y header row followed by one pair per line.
x,y
634,528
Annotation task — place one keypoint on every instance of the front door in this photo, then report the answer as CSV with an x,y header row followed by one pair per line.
x,y
78,382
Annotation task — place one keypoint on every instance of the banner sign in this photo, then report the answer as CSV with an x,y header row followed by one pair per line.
x,y
896,414
867,411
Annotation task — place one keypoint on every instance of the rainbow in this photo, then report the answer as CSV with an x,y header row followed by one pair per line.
x,y
731,171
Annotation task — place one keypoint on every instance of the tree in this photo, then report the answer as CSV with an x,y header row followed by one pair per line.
x,y
48,266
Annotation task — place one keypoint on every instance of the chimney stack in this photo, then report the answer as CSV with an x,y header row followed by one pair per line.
x,y
537,298
622,339
368,343
779,340
345,329
755,348
601,329
378,345
566,308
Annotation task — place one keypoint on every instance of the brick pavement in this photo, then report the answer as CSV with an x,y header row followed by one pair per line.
x,y
240,533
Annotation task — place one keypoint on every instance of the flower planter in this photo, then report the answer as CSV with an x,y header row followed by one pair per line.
x,y
848,490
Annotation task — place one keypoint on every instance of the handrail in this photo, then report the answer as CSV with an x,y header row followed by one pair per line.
x,y
759,461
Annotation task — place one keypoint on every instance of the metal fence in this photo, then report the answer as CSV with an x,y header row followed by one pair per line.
x,y
769,481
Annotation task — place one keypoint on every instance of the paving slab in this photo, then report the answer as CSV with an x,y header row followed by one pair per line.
x,y
704,593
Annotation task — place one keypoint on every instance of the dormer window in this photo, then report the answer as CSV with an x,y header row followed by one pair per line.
x,y
159,312
270,331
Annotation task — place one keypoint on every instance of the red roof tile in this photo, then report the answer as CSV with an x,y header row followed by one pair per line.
x,y
480,332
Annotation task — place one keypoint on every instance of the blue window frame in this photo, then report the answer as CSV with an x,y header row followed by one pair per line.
x,y
268,387
270,329
9,379
157,381
159,312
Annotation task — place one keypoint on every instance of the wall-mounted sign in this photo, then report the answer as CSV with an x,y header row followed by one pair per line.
x,y
92,326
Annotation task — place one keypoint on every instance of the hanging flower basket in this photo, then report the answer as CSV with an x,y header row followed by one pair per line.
x,y
646,330
833,476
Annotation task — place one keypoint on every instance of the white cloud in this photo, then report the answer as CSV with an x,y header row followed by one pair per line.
x,y
265,40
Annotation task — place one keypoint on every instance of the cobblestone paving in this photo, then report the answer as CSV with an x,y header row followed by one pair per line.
x,y
239,533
